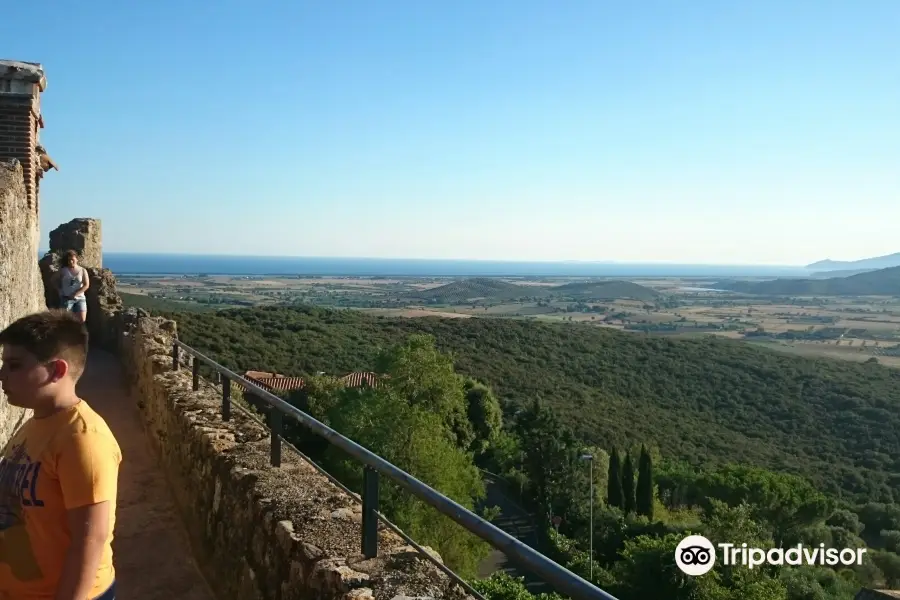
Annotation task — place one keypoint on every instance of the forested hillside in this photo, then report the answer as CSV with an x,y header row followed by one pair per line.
x,y
495,290
606,290
674,428
478,287
702,401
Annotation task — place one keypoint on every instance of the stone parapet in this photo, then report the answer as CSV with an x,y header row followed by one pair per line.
x,y
259,532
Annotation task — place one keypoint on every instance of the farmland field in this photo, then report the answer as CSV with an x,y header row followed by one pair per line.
x,y
846,328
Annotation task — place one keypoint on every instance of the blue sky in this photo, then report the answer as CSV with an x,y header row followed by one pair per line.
x,y
687,131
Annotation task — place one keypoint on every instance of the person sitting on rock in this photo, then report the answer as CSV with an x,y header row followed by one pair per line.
x,y
73,282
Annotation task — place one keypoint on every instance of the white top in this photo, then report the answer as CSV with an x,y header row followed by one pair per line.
x,y
71,281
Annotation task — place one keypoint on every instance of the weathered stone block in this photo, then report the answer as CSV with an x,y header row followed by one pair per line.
x,y
84,236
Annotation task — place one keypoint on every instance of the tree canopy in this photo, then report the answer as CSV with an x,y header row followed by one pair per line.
x,y
836,423
707,437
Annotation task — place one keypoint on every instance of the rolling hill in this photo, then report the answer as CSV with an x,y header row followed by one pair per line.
x,y
882,282
497,290
706,401
606,290
839,273
878,262
481,288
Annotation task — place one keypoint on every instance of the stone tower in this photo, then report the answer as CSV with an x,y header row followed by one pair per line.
x,y
21,290
21,84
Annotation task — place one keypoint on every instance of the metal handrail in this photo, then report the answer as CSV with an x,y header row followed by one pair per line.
x,y
247,412
554,574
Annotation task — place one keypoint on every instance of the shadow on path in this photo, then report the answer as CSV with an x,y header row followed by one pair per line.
x,y
151,551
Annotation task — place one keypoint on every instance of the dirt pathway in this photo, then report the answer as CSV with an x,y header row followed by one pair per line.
x,y
515,521
151,552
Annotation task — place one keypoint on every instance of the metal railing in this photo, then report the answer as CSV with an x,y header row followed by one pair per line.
x,y
557,576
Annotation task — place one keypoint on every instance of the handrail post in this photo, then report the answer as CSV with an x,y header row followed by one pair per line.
x,y
226,398
195,366
275,426
370,512
175,363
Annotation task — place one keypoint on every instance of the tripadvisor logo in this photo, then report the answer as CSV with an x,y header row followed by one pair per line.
x,y
695,555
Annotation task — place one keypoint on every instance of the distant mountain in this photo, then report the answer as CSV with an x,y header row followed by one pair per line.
x,y
882,282
497,290
879,262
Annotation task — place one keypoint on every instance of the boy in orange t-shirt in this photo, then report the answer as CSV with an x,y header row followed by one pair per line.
x,y
58,473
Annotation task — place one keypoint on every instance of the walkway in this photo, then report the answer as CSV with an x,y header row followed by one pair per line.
x,y
517,522
151,551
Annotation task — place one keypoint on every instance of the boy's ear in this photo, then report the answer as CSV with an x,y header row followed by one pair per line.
x,y
59,370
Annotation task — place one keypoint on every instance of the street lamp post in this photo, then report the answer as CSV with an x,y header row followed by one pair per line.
x,y
590,459
521,461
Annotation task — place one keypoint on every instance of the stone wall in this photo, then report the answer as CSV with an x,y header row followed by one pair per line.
x,y
20,281
259,532
21,85
103,301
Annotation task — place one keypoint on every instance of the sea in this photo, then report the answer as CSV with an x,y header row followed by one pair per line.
x,y
122,263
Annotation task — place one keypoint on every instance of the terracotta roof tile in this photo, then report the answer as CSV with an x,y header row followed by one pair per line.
x,y
360,379
280,383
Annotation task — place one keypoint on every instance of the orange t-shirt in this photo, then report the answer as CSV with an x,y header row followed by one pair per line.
x,y
51,465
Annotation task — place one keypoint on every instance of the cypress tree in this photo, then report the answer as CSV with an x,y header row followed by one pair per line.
x,y
628,483
614,495
644,495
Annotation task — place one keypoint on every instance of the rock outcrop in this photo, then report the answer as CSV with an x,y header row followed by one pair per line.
x,y
84,237
20,281
103,301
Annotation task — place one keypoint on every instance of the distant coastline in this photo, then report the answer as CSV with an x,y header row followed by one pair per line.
x,y
123,263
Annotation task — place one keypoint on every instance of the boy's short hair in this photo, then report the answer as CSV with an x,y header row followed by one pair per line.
x,y
48,335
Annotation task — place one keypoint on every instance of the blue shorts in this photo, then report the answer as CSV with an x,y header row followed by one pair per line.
x,y
76,306
109,594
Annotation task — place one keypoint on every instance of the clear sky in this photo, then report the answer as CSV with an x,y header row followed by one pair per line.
x,y
761,131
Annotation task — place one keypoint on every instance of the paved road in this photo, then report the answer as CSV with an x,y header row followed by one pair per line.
x,y
517,522
151,551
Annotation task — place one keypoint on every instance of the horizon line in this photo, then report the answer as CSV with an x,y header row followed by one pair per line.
x,y
457,260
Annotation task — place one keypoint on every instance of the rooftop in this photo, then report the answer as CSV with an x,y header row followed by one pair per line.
x,y
25,71
282,383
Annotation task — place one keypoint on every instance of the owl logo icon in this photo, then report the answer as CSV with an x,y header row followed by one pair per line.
x,y
695,555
